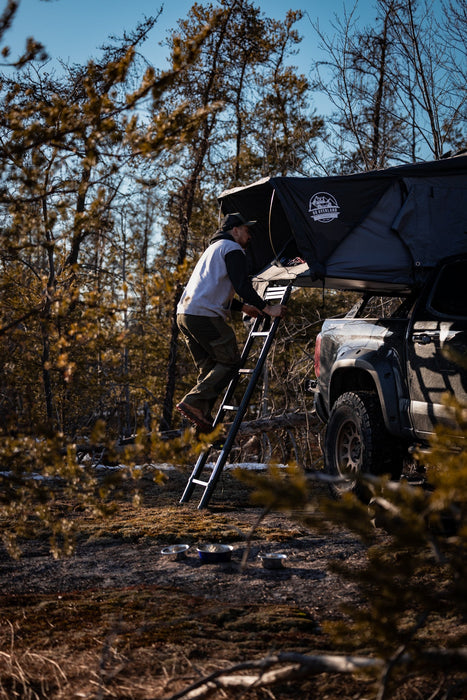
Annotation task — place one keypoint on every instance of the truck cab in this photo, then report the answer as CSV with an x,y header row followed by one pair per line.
x,y
437,347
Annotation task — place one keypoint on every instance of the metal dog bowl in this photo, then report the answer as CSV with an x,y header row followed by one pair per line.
x,y
175,551
214,553
272,560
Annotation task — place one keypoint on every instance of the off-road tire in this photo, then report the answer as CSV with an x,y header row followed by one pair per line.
x,y
356,441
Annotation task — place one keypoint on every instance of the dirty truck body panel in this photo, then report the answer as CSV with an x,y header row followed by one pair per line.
x,y
364,354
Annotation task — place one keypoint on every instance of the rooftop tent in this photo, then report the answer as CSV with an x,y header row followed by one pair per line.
x,y
375,230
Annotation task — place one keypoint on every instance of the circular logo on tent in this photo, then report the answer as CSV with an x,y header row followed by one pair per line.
x,y
323,207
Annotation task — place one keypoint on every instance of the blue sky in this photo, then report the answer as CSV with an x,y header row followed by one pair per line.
x,y
74,29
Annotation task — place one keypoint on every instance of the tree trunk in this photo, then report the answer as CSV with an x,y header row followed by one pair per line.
x,y
167,406
186,207
46,372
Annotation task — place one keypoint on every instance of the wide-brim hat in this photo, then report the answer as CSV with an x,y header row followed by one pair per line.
x,y
231,220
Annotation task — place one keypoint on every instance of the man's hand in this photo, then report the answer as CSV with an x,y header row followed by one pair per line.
x,y
250,310
276,311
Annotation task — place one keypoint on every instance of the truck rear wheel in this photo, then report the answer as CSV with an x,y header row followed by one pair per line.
x,y
356,441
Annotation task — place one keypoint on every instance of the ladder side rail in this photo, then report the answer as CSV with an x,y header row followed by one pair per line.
x,y
281,294
202,459
254,377
234,381
195,474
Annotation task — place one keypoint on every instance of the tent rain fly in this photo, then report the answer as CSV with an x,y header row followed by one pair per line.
x,y
379,230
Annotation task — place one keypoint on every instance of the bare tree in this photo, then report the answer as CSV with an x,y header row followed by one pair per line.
x,y
432,87
397,88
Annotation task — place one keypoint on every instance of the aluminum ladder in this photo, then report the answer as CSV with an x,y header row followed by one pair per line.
x,y
263,330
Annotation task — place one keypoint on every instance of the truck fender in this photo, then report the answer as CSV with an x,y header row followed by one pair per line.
x,y
355,369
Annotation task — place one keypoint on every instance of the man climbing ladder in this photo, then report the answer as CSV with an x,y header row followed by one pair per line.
x,y
262,331
204,307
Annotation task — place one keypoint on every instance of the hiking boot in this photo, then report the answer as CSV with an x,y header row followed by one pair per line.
x,y
195,416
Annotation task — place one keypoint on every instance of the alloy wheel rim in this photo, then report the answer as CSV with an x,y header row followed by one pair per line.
x,y
348,449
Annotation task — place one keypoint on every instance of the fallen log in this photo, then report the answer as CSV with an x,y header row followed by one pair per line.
x,y
283,421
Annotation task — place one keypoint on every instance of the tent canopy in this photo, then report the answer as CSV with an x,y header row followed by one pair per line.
x,y
377,230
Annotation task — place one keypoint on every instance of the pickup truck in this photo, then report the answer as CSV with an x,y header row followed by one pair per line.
x,y
381,380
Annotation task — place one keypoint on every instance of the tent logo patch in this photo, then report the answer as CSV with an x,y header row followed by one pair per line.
x,y
323,207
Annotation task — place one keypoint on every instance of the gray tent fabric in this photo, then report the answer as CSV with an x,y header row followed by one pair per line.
x,y
433,220
381,227
373,250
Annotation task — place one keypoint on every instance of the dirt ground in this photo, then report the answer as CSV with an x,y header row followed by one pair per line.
x,y
107,560
119,619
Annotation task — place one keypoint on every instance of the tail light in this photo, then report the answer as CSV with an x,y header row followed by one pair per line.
x,y
317,353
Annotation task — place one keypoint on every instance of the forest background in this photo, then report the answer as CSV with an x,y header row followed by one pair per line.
x,y
110,171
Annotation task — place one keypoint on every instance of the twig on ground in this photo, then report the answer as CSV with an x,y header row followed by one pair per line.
x,y
293,667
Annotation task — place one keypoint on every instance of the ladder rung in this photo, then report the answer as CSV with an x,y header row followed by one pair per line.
x,y
259,334
245,371
201,483
275,293
230,408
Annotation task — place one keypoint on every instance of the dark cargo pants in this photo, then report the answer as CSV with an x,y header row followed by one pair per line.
x,y
214,349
